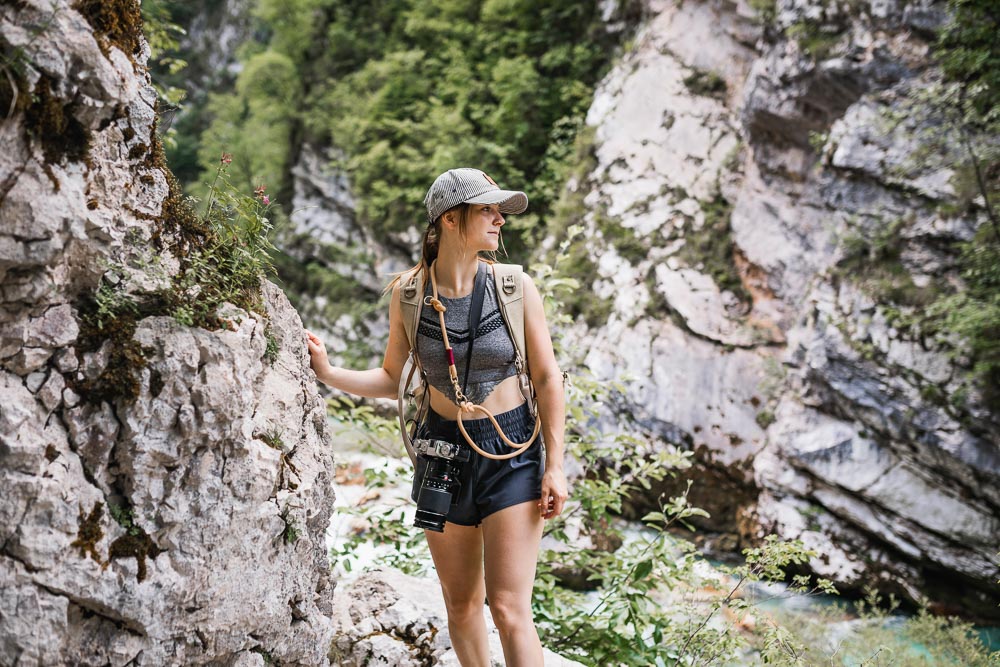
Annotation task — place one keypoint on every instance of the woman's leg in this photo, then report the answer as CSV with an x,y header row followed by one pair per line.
x,y
458,558
511,538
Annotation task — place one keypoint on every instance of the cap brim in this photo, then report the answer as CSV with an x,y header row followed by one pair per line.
x,y
510,201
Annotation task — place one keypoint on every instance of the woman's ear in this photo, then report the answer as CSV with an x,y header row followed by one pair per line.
x,y
449,219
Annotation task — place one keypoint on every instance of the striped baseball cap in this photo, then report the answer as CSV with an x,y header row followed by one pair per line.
x,y
470,186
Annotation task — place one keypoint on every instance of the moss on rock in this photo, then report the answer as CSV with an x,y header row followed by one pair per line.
x,y
89,532
139,546
710,248
115,22
51,122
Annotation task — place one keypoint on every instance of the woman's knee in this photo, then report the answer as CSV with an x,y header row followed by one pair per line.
x,y
463,606
510,613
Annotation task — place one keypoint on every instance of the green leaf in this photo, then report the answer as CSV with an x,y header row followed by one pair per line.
x,y
642,570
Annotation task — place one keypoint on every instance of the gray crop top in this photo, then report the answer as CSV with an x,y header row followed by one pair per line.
x,y
493,353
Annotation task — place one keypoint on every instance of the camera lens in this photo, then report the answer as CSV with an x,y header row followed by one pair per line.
x,y
440,482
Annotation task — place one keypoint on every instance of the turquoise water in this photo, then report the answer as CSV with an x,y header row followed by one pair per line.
x,y
990,636
813,606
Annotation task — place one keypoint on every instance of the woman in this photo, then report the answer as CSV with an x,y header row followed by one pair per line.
x,y
489,546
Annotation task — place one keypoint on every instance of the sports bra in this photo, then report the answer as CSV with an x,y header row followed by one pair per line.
x,y
493,353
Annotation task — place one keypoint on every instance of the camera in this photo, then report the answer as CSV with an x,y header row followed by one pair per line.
x,y
440,481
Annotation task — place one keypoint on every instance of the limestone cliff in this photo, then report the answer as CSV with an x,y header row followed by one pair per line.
x,y
737,162
166,488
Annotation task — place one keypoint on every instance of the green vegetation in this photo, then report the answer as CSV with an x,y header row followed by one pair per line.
x,y
233,259
974,313
710,247
224,255
966,106
815,41
291,532
254,124
959,119
878,637
272,349
709,84
765,418
766,10
407,89
874,260
969,54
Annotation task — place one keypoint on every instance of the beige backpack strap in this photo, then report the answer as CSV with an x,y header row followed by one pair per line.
x,y
411,300
410,391
510,294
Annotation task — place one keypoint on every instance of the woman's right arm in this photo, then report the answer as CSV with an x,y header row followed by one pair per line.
x,y
375,382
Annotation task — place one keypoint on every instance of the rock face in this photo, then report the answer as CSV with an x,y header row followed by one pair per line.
x,y
345,267
165,491
727,187
386,617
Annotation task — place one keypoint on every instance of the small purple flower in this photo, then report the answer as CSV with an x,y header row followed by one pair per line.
x,y
266,200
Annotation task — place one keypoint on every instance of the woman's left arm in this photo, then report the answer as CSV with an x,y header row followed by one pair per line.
x,y
548,381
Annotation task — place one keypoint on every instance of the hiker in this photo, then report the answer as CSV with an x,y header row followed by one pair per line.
x,y
483,503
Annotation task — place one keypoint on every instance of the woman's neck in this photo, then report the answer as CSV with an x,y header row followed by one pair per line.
x,y
455,270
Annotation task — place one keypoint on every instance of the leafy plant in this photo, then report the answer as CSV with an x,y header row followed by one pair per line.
x,y
233,259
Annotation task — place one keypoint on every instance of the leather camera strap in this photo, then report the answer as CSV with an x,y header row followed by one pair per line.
x,y
475,315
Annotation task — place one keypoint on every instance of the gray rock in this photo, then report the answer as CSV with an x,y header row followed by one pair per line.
x,y
386,617
812,408
160,528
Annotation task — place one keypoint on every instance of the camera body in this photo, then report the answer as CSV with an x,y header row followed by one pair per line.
x,y
440,482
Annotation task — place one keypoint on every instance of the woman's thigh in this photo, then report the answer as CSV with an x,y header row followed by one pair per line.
x,y
511,537
458,558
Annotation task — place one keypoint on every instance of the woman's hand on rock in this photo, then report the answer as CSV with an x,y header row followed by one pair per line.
x,y
317,355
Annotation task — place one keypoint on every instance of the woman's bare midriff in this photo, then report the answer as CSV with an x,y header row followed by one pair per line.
x,y
505,396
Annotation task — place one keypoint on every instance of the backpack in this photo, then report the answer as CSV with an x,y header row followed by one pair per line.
x,y
412,381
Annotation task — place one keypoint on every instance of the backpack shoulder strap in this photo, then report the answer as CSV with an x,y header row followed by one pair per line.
x,y
411,300
510,294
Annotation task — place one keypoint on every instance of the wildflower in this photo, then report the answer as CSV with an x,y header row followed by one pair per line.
x,y
226,158
266,200
258,192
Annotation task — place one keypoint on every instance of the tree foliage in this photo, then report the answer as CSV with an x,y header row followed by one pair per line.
x,y
407,89
968,51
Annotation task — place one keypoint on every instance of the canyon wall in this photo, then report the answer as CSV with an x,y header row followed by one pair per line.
x,y
166,487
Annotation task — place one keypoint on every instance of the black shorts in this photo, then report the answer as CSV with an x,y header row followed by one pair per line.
x,y
487,486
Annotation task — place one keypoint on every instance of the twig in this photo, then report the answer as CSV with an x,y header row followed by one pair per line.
x,y
981,182
726,600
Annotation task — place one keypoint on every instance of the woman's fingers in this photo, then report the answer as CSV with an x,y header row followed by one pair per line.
x,y
554,495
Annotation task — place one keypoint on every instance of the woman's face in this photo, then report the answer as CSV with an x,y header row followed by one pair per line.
x,y
482,229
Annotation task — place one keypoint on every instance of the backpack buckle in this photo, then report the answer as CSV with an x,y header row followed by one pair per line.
x,y
508,284
410,288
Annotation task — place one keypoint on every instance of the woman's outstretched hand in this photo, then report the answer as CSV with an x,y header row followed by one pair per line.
x,y
317,355
554,493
